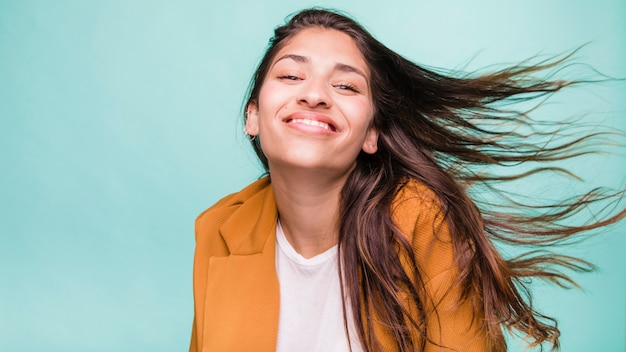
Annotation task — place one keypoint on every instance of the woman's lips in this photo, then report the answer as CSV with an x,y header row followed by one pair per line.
x,y
310,122
315,121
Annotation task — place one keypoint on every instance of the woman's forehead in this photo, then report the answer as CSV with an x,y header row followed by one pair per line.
x,y
316,43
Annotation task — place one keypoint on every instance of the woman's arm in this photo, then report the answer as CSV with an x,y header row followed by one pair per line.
x,y
452,323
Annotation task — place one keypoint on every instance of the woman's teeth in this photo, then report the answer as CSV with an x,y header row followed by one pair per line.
x,y
312,123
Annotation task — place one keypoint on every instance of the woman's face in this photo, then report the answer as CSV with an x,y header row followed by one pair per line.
x,y
315,108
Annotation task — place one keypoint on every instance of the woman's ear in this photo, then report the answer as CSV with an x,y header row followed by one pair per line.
x,y
252,119
370,144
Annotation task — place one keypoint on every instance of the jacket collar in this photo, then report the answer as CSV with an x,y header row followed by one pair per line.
x,y
248,228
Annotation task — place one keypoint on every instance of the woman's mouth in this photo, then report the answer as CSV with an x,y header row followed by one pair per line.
x,y
311,122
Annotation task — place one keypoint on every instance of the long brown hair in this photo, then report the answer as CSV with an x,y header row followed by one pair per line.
x,y
444,130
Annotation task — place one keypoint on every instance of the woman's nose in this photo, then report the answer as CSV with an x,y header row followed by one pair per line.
x,y
315,93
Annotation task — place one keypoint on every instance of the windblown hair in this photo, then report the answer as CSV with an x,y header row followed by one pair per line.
x,y
441,129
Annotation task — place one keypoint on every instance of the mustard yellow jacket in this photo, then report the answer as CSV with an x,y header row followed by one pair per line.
x,y
236,290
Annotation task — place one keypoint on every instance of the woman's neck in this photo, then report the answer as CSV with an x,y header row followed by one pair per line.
x,y
308,207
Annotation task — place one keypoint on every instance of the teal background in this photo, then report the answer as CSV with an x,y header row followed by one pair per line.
x,y
119,123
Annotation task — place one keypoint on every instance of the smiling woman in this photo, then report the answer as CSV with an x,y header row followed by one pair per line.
x,y
366,234
315,110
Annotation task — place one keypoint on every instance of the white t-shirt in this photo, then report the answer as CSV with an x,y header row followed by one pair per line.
x,y
311,315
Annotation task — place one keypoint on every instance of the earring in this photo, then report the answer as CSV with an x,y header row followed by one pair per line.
x,y
250,138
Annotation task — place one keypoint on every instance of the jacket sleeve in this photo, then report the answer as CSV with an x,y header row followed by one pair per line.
x,y
452,324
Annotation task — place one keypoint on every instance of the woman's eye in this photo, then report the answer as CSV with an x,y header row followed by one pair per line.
x,y
347,87
289,77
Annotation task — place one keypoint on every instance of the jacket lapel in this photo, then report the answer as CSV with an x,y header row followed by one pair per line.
x,y
242,288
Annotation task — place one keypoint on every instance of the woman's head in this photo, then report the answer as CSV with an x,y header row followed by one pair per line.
x,y
314,110
375,64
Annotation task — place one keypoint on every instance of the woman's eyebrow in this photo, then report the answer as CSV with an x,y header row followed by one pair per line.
x,y
297,58
348,68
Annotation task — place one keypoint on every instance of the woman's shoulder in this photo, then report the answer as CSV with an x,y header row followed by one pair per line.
x,y
414,199
218,213
418,213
